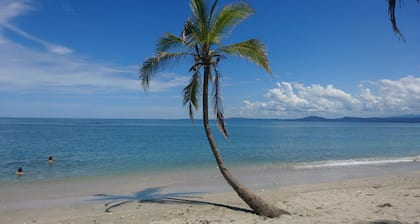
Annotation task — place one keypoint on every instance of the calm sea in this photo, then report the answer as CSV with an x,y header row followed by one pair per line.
x,y
102,147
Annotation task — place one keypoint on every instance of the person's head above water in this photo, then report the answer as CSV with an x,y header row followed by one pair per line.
x,y
19,171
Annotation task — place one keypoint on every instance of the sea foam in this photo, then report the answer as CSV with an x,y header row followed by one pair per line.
x,y
356,162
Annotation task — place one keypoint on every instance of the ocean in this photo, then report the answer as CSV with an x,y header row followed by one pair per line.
x,y
84,148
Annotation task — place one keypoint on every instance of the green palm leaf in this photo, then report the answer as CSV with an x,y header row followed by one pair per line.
x,y
168,42
191,93
153,64
227,19
210,19
252,50
191,33
199,17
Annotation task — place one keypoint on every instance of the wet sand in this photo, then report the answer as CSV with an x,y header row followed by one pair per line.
x,y
354,194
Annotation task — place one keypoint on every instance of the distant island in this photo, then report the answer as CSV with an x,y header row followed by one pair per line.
x,y
399,119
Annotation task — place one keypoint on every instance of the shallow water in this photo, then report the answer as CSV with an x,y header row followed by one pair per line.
x,y
103,147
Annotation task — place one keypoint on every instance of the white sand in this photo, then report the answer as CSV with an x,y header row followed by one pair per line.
x,y
381,199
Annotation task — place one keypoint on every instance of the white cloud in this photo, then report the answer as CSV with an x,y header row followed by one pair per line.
x,y
12,9
55,68
399,95
165,81
385,97
27,69
24,69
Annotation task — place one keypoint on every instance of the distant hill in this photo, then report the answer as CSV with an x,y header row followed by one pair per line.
x,y
399,119
381,119
312,118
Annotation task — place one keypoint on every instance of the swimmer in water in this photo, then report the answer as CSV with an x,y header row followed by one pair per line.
x,y
19,172
50,159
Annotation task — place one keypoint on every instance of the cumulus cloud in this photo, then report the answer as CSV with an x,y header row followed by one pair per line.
x,y
376,98
393,95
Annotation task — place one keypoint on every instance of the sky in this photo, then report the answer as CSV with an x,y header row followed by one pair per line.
x,y
80,59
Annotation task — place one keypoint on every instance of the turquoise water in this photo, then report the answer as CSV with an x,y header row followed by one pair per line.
x,y
101,147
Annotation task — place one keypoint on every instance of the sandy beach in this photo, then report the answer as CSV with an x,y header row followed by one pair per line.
x,y
382,198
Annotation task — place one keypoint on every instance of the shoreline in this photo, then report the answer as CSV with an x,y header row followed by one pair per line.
x,y
207,180
263,166
36,200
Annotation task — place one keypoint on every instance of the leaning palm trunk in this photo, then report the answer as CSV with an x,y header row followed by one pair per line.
x,y
259,206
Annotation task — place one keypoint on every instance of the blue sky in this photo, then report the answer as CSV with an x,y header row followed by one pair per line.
x,y
68,58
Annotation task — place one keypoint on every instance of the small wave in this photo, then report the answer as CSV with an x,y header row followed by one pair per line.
x,y
13,164
356,162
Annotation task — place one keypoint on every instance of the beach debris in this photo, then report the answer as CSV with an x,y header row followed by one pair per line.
x,y
384,205
369,194
93,220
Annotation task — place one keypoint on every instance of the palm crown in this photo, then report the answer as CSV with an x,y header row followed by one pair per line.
x,y
201,39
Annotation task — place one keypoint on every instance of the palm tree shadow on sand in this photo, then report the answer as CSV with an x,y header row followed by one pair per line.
x,y
155,195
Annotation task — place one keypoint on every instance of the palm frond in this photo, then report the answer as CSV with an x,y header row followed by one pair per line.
x,y
191,34
191,93
227,18
169,41
252,50
218,104
391,13
213,7
200,16
153,64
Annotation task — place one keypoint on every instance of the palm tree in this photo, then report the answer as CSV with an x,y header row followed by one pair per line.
x,y
201,40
